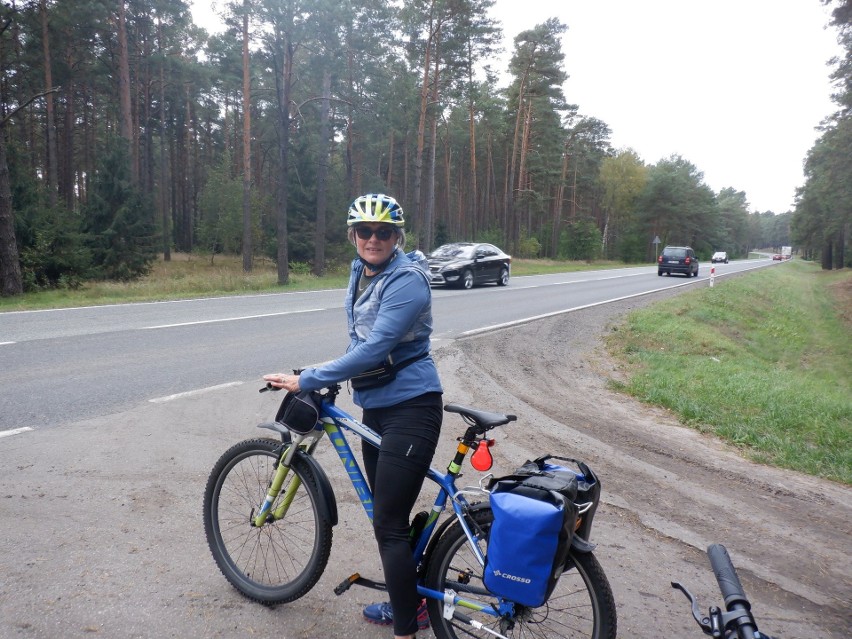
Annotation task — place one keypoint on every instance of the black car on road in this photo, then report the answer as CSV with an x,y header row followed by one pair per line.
x,y
678,259
466,264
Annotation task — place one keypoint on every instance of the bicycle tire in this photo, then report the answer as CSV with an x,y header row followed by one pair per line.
x,y
281,560
581,605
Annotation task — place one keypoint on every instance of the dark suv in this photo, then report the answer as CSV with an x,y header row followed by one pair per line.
x,y
678,259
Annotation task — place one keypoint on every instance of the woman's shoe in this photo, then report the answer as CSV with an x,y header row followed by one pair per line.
x,y
382,614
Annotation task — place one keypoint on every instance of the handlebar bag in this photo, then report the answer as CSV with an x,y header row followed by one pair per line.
x,y
299,412
530,536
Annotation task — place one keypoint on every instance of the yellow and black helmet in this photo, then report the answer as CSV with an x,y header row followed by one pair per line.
x,y
375,207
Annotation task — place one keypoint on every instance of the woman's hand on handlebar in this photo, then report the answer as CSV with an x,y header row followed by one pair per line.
x,y
283,380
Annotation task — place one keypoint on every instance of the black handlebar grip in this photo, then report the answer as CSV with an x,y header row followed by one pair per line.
x,y
726,577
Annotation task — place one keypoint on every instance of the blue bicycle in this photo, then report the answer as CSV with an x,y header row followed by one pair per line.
x,y
269,512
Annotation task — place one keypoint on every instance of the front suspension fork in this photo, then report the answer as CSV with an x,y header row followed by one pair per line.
x,y
282,470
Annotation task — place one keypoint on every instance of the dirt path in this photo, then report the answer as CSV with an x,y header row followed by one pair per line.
x,y
789,534
101,532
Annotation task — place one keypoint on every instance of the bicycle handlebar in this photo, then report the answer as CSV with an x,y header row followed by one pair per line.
x,y
726,577
737,622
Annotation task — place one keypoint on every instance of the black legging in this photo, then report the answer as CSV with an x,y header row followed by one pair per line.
x,y
395,473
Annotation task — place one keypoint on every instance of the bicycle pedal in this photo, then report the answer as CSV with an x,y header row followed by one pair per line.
x,y
357,579
346,584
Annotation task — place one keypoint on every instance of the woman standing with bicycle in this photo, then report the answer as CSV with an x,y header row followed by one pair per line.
x,y
389,311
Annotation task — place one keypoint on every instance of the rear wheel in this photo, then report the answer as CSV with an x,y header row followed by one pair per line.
x,y
504,277
581,605
281,560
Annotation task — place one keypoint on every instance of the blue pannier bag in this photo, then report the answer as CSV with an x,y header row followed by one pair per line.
x,y
529,540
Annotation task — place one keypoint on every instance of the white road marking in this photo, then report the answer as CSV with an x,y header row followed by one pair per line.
x,y
14,431
584,281
180,301
231,319
199,391
6,343
525,320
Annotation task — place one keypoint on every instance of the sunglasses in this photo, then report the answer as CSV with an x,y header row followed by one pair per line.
x,y
382,233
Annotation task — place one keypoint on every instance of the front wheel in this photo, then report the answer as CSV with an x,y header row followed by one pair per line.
x,y
281,560
580,607
466,280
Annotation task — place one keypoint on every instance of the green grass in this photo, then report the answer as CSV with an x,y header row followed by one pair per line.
x,y
191,276
762,361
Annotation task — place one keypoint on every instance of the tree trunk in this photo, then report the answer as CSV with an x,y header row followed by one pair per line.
x,y
421,128
514,152
285,80
428,228
124,88
389,173
70,171
322,175
11,282
247,248
827,254
557,205
52,174
164,178
471,118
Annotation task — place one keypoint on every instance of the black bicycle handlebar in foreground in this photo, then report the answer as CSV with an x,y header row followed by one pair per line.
x,y
736,622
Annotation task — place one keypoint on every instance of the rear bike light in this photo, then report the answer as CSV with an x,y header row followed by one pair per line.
x,y
481,459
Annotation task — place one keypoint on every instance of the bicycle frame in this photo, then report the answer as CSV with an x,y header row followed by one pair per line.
x,y
334,422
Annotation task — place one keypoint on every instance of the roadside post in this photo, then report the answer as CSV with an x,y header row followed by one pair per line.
x,y
712,275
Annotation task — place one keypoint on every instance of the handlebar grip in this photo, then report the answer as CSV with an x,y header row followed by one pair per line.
x,y
726,577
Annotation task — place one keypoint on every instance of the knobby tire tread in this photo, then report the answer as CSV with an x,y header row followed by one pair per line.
x,y
280,561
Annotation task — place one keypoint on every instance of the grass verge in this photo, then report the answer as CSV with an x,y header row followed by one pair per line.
x,y
763,361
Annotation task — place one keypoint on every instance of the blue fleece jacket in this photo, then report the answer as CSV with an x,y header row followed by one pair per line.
x,y
392,317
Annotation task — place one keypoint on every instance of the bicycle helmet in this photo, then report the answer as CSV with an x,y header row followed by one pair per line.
x,y
375,207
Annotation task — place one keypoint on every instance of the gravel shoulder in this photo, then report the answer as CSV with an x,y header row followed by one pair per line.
x,y
101,532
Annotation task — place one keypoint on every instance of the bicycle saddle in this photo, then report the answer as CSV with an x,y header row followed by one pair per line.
x,y
480,417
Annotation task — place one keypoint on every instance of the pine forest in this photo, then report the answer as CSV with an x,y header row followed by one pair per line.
x,y
128,133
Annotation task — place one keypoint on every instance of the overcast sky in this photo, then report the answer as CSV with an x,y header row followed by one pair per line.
x,y
736,87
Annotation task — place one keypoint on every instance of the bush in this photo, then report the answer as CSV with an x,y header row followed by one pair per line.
x,y
580,241
53,253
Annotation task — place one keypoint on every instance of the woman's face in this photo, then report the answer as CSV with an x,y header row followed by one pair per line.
x,y
375,250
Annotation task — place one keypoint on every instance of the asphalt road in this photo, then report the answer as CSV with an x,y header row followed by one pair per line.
x,y
68,364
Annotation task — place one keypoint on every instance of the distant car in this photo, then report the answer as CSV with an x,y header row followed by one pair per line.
x,y
719,256
778,257
466,264
678,259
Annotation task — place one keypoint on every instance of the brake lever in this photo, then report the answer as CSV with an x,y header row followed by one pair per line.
x,y
702,621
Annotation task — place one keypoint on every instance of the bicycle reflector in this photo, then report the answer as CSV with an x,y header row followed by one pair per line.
x,y
481,458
